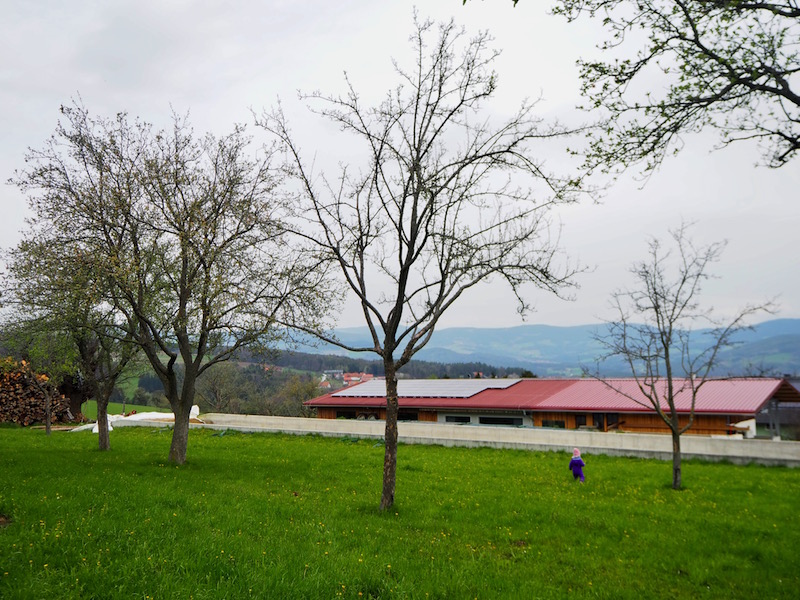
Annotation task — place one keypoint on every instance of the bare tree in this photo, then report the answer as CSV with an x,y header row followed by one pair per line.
x,y
446,199
655,331
678,66
182,237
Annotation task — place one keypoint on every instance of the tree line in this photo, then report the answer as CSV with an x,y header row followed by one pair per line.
x,y
241,388
415,369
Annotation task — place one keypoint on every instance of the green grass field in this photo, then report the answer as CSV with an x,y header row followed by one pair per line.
x,y
274,516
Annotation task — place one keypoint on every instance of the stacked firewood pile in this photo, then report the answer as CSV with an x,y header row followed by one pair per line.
x,y
23,395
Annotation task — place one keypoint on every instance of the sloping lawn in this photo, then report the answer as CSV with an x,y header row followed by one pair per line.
x,y
274,516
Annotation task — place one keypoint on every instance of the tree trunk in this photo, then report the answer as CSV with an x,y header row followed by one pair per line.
x,y
390,439
676,460
48,410
103,439
180,434
182,408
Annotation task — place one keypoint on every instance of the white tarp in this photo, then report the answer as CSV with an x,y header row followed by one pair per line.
x,y
747,427
139,416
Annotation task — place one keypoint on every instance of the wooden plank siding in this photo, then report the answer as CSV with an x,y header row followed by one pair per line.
x,y
350,412
429,416
546,419
703,424
326,413
641,423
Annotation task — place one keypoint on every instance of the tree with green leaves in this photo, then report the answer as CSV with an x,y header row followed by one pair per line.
x,y
181,238
673,67
224,389
55,318
446,199
287,400
655,332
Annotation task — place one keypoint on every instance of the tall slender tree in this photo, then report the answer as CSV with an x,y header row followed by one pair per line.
x,y
447,198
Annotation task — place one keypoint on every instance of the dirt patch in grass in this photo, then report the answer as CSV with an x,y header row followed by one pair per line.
x,y
5,520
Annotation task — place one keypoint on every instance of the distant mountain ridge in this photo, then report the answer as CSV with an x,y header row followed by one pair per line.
x,y
770,348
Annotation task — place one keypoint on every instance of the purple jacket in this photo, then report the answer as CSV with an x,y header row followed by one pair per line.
x,y
577,464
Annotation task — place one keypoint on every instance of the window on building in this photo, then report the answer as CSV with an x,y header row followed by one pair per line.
x,y
599,420
457,419
408,415
580,421
612,419
554,423
345,414
516,421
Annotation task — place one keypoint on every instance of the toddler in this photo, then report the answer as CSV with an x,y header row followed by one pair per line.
x,y
576,465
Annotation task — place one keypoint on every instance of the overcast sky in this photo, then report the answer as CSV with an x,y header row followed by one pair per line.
x,y
219,60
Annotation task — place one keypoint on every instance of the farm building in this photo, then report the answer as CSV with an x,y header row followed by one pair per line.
x,y
617,404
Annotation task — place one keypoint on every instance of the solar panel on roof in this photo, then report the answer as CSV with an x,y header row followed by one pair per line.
x,y
426,388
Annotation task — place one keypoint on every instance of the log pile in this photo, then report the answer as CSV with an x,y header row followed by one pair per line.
x,y
23,398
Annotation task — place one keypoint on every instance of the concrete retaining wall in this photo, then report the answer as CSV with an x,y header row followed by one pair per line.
x,y
740,451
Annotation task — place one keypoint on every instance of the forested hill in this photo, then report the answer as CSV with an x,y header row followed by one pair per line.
x,y
770,348
416,369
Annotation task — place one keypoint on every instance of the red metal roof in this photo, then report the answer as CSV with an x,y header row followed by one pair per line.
x,y
718,396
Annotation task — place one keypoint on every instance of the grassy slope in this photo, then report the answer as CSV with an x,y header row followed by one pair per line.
x,y
295,517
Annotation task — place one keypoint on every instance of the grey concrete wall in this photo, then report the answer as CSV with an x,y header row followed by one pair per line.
x,y
740,451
